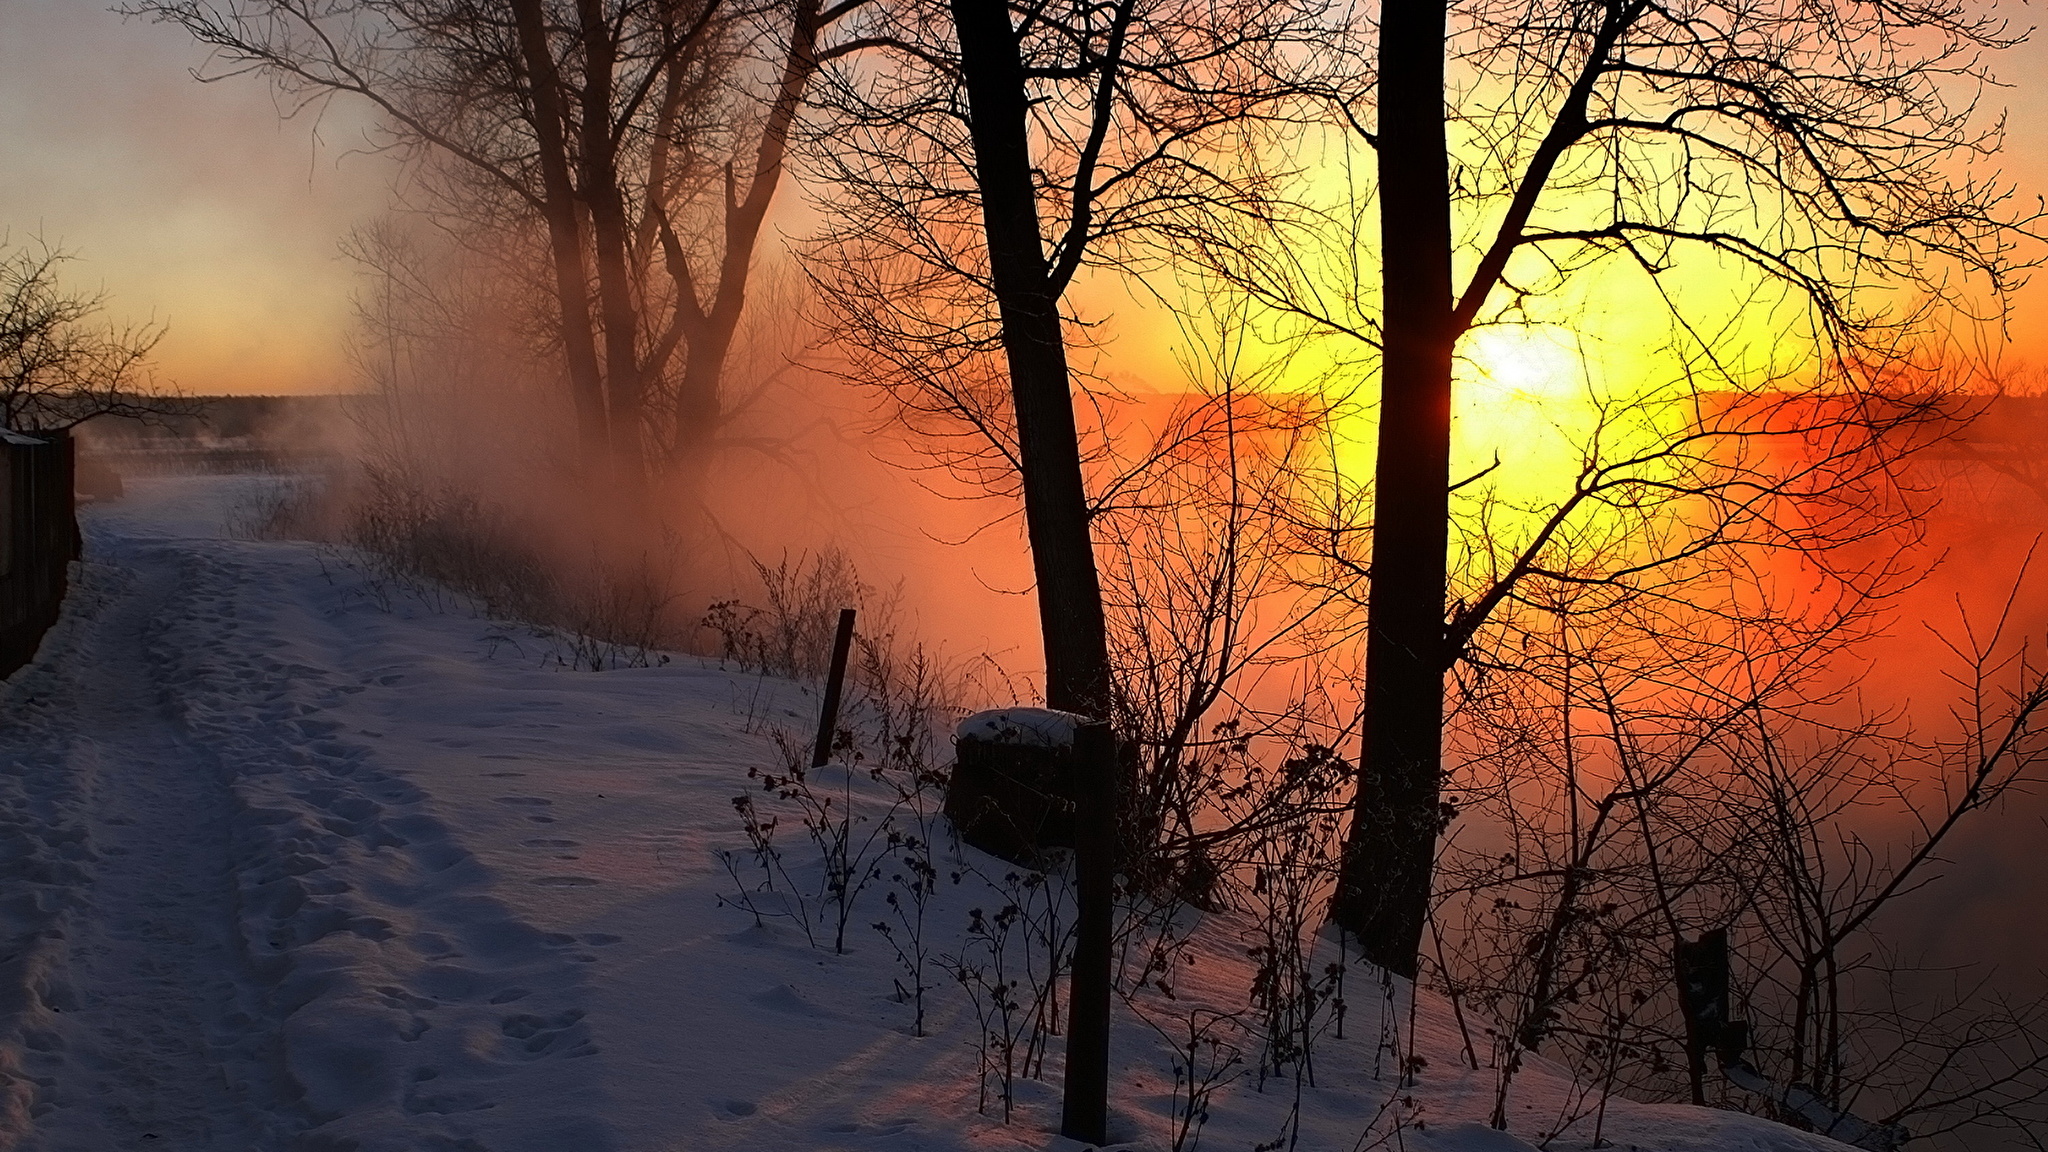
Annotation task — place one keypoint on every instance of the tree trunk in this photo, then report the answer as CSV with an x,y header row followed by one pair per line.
x,y
1056,516
565,239
1383,892
624,388
710,327
699,407
1056,513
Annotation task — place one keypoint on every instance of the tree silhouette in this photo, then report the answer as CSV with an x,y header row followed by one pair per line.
x,y
1823,152
644,140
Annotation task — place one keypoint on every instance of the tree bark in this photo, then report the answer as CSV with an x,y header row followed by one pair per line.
x,y
1383,891
1056,514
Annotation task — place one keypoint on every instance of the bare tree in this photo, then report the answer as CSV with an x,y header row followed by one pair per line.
x,y
60,364
1820,151
1832,1001
633,147
1585,723
1001,152
1629,787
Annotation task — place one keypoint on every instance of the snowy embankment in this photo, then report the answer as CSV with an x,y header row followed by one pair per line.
x,y
292,865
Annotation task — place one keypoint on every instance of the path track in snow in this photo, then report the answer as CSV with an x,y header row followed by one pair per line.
x,y
139,1026
228,921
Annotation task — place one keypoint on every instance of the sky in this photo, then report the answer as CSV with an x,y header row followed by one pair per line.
x,y
193,205
198,206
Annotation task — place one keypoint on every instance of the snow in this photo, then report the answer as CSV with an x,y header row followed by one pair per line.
x,y
297,863
1042,727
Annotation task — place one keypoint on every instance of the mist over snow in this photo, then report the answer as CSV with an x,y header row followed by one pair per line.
x,y
297,862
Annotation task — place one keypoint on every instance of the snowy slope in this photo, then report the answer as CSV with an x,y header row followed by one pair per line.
x,y
291,864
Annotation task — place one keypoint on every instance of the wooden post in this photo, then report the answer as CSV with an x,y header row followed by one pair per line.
x,y
828,718
1085,1116
1703,997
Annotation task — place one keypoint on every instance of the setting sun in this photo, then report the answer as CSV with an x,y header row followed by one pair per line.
x,y
1534,362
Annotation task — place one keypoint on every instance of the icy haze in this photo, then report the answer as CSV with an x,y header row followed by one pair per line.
x,y
295,863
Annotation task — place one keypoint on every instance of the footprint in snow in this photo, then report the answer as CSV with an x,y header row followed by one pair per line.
x,y
563,939
400,998
783,998
540,1033
417,1103
564,881
890,1129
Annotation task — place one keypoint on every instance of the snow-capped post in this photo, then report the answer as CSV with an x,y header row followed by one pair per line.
x,y
828,717
1085,1114
1012,789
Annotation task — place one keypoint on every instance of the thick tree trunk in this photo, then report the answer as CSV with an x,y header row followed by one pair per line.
x,y
1055,500
1383,893
565,238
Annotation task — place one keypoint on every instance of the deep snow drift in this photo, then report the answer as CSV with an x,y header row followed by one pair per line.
x,y
295,863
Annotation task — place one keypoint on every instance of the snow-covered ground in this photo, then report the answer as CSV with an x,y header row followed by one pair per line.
x,y
293,865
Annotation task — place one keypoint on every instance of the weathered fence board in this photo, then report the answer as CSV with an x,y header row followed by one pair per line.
x,y
38,539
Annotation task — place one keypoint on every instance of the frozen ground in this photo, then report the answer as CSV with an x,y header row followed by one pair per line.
x,y
290,864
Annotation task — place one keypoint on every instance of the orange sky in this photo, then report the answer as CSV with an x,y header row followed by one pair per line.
x,y
2027,150
187,202
194,204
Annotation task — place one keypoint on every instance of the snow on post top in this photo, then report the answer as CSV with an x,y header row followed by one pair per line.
x,y
1042,727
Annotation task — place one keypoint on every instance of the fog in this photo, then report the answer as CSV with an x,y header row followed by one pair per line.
x,y
290,258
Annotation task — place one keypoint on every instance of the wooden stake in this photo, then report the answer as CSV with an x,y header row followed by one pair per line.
x,y
1085,1116
828,718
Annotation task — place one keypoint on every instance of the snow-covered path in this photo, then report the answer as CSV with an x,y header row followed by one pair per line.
x,y
289,863
228,925
149,1022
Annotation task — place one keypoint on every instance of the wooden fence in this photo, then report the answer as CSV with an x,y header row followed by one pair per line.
x,y
38,539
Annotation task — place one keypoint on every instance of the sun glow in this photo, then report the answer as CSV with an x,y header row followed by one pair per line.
x,y
1532,362
1523,397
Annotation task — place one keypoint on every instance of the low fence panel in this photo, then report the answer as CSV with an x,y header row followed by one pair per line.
x,y
38,538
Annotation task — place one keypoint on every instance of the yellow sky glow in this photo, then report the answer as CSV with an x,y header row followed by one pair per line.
x,y
193,204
